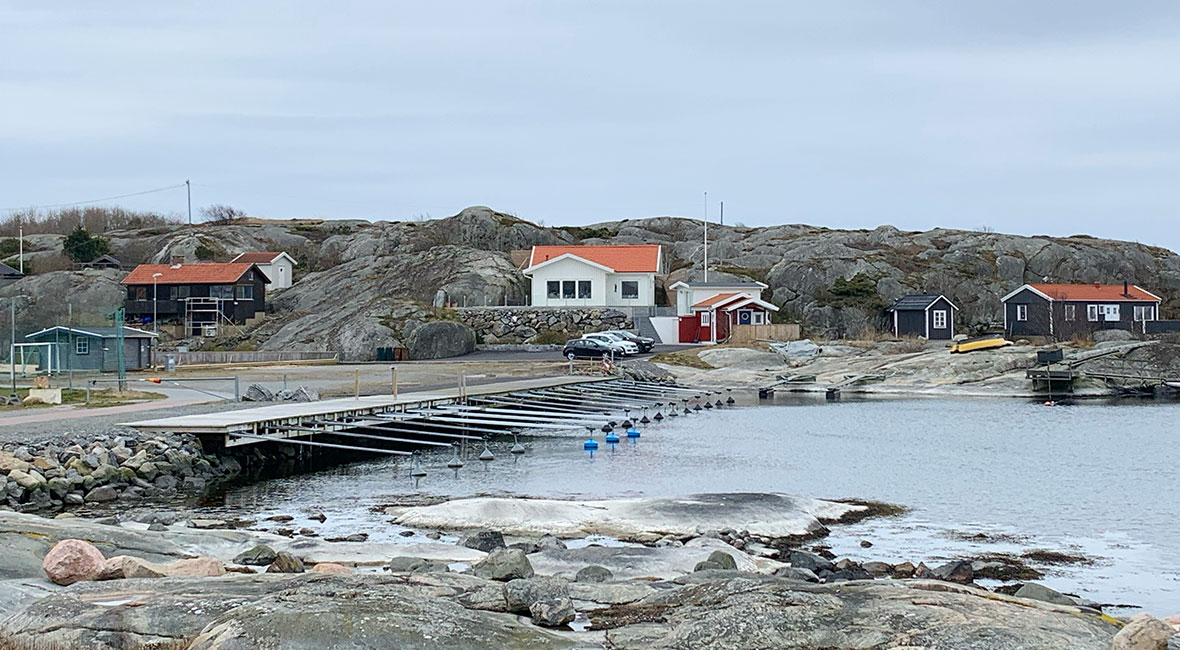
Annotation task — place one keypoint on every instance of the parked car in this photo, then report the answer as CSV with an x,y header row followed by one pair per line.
x,y
622,345
645,344
585,349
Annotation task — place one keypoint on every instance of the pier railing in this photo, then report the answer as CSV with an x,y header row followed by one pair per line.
x,y
209,357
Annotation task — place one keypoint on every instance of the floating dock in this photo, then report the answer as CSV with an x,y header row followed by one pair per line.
x,y
389,424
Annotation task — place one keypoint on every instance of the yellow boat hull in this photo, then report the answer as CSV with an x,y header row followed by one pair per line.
x,y
972,345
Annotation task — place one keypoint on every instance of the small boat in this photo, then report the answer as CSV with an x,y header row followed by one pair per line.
x,y
980,343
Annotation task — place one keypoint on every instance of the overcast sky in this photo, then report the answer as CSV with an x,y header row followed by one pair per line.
x,y
1025,117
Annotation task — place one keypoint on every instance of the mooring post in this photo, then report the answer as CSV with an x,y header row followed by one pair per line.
x,y
356,383
237,394
284,381
393,371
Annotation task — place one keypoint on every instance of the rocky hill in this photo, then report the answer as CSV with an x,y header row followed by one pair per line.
x,y
361,285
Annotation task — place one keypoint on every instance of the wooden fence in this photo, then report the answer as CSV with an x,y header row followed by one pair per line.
x,y
769,332
204,357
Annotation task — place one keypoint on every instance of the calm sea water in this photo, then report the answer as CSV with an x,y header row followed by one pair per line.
x,y
1101,480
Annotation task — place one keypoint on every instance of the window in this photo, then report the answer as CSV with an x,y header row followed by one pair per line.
x,y
553,289
568,289
180,293
939,319
244,291
81,346
1110,312
630,289
704,318
137,293
223,291
1021,312
759,318
1071,312
1092,313
583,289
1142,313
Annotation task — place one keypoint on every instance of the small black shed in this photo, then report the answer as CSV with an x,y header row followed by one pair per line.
x,y
929,316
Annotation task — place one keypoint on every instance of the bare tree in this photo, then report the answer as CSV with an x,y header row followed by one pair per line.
x,y
222,215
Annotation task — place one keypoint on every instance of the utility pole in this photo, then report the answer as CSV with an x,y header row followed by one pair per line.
x,y
188,189
119,342
723,213
706,222
20,235
12,346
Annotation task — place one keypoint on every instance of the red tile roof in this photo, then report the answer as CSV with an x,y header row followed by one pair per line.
x,y
1103,292
220,273
623,259
716,300
257,258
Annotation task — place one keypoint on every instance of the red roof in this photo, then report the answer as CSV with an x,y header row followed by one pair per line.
x,y
623,259
257,258
715,300
1102,292
219,273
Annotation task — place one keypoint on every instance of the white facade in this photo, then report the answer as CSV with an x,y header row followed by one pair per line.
x,y
280,269
569,281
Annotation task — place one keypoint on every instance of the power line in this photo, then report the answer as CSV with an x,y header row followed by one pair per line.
x,y
108,198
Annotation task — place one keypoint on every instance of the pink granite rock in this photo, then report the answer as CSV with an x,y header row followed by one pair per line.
x,y
196,567
1144,632
72,560
330,567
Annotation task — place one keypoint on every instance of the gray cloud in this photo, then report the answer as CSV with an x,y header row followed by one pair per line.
x,y
1019,116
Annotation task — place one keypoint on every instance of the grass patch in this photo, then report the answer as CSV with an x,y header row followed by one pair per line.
x,y
686,358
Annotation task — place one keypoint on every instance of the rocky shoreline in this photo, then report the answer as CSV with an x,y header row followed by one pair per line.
x,y
154,580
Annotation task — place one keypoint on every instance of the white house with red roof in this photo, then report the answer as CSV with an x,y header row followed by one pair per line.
x,y
713,318
594,276
1062,311
279,267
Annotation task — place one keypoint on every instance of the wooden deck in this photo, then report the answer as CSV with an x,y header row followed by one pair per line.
x,y
257,420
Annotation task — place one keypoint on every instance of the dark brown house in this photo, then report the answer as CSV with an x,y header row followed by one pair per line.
x,y
929,316
201,296
1062,311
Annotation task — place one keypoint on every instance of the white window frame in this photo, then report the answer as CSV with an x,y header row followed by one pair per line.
x,y
1110,313
553,295
1142,313
1092,313
589,284
623,290
938,318
705,321
81,346
758,317
1021,313
573,294
1071,312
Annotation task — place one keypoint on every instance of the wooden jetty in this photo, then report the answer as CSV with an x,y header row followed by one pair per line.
x,y
436,418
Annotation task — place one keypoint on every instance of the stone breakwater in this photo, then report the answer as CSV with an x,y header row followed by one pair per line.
x,y
122,468
508,325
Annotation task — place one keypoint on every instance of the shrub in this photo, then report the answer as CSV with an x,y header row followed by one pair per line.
x,y
81,246
204,253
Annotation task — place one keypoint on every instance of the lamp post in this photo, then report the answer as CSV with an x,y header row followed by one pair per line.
x,y
155,300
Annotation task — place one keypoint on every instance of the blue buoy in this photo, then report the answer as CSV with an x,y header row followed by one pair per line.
x,y
590,445
612,438
632,433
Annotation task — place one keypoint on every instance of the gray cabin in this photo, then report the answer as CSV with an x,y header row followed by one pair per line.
x,y
90,348
929,316
1063,311
8,275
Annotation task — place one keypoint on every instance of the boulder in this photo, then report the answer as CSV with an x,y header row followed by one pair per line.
x,y
197,567
877,569
504,564
102,494
1143,632
440,340
416,565
593,573
126,566
331,567
258,393
809,561
958,572
73,560
285,563
547,600
260,555
1042,593
483,540
29,479
9,462
796,573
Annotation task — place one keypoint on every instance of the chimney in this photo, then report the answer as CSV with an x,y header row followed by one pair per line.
x,y
1126,289
176,260
1097,285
